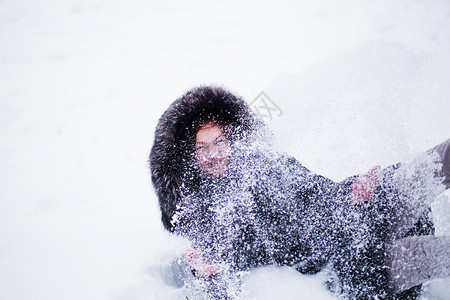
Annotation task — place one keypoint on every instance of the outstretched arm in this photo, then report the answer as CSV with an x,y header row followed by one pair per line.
x,y
364,185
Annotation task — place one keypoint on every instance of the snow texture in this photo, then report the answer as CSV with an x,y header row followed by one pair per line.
x,y
83,83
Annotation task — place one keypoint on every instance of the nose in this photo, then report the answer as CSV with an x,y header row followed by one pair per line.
x,y
213,151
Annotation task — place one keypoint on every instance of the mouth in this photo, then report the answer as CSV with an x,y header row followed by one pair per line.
x,y
215,162
216,166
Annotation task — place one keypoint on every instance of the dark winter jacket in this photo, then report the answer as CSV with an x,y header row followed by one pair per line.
x,y
267,208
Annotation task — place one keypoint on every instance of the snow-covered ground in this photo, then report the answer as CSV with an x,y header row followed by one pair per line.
x,y
83,83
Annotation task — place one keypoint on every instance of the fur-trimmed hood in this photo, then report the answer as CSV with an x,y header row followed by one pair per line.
x,y
174,133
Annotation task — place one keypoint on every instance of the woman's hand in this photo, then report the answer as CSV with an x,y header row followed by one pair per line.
x,y
199,265
364,186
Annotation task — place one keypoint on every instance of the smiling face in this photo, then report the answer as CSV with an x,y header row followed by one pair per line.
x,y
212,150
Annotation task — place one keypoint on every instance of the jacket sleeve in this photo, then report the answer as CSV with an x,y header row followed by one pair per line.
x,y
311,202
311,187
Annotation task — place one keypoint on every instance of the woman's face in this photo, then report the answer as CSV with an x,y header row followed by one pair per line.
x,y
212,150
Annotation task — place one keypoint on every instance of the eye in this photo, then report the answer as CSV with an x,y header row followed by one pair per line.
x,y
219,141
199,148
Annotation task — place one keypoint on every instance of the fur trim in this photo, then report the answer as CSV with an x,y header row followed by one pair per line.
x,y
174,131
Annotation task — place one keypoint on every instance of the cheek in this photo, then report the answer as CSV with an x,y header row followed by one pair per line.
x,y
200,157
223,148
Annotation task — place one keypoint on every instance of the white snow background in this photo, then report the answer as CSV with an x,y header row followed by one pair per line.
x,y
83,84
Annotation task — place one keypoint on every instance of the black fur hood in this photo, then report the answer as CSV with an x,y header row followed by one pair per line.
x,y
175,131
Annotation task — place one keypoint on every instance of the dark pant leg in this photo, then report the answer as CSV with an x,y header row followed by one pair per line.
x,y
443,149
412,187
414,260
403,261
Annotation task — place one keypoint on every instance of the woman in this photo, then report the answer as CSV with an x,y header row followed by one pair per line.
x,y
242,205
